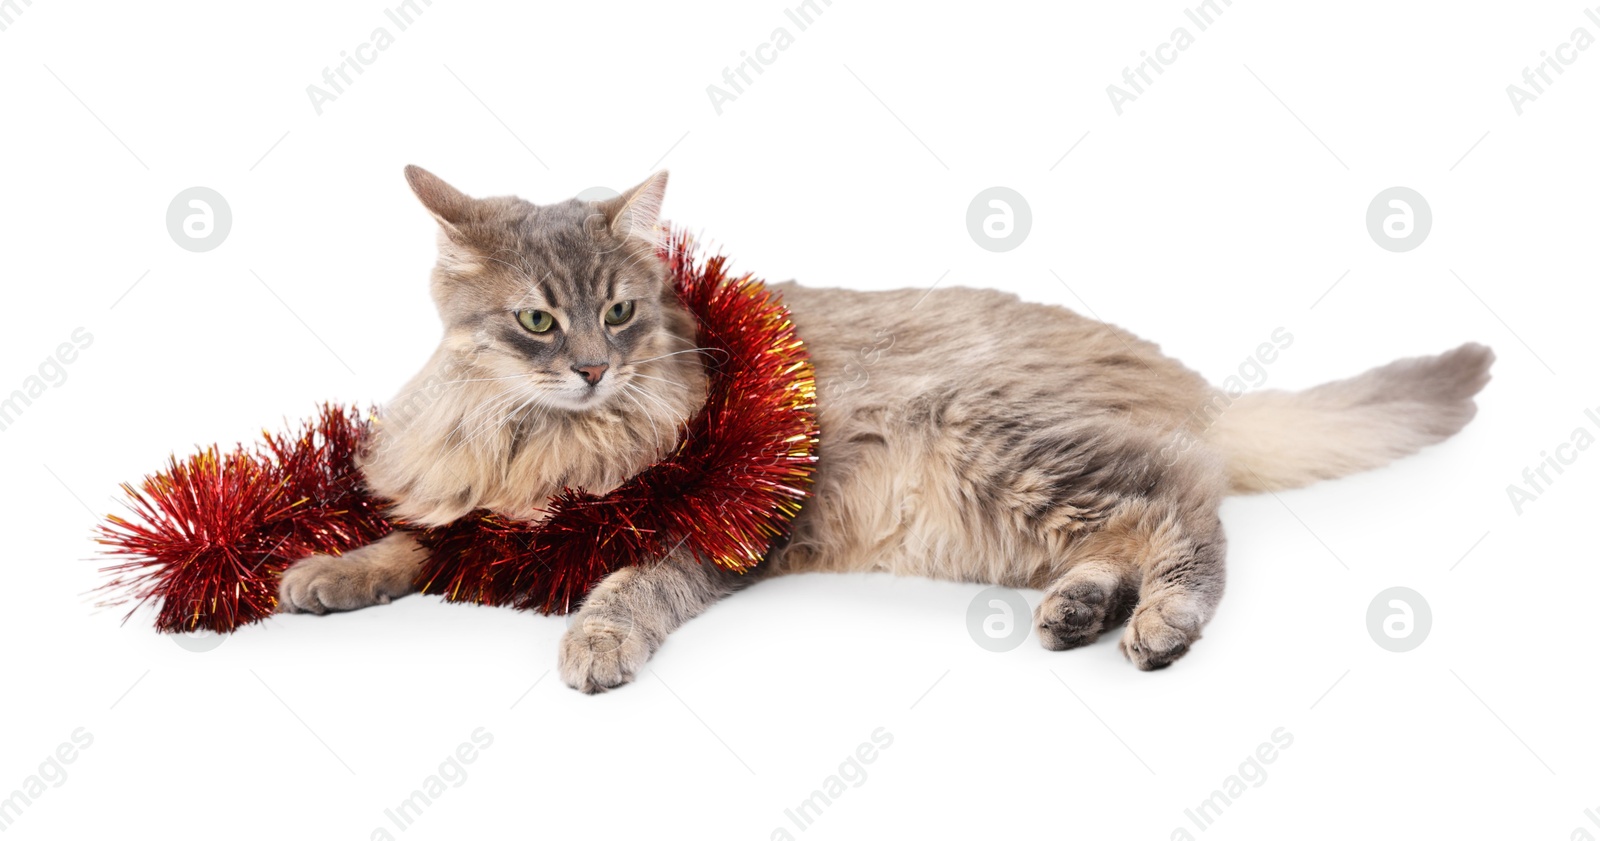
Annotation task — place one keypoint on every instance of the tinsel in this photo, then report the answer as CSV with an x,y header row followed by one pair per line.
x,y
213,533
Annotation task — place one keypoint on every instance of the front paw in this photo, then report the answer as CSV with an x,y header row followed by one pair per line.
x,y
322,583
601,651
1159,634
1075,612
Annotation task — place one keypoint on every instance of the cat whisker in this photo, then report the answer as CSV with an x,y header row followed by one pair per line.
x,y
674,383
625,392
707,351
488,411
522,270
666,409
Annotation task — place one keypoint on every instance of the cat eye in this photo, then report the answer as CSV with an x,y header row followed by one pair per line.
x,y
619,313
536,321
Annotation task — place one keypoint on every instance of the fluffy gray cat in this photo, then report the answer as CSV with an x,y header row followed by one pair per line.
x,y
966,435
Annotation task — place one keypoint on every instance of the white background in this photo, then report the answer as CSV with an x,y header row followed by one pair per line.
x,y
1203,217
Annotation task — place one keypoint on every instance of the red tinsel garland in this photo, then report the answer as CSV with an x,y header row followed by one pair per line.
x,y
215,531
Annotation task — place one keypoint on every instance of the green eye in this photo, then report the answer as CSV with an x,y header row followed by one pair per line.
x,y
536,321
619,312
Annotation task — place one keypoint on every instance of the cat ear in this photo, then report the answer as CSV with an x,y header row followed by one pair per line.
x,y
636,212
447,204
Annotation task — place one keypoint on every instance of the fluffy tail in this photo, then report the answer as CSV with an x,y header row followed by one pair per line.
x,y
1275,440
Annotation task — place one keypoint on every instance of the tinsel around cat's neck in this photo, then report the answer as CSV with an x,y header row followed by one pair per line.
x,y
209,536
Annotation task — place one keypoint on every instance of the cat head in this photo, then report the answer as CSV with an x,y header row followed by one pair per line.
x,y
566,304
567,359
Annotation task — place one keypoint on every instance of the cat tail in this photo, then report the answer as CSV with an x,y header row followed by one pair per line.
x,y
1276,440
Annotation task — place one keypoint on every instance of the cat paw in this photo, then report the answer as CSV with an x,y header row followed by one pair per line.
x,y
1077,610
322,583
601,652
1158,635
1072,616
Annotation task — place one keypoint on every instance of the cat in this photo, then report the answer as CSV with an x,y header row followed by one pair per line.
x,y
966,435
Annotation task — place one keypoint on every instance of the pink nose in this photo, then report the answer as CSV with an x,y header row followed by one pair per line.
x,y
592,373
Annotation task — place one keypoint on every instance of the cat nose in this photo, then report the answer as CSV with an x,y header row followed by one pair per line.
x,y
591,372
